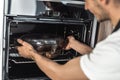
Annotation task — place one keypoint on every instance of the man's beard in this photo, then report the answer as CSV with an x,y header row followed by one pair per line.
x,y
103,17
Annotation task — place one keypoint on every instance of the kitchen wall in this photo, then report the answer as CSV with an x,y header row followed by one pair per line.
x,y
105,29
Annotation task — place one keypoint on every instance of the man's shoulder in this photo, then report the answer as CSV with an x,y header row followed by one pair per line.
x,y
114,35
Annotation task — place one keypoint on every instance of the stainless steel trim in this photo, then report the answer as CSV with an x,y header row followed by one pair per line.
x,y
73,2
1,37
94,32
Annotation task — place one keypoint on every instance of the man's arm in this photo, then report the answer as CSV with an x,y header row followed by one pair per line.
x,y
69,71
78,46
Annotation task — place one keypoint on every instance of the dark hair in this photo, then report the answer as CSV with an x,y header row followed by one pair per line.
x,y
116,2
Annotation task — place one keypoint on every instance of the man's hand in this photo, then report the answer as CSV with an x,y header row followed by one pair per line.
x,y
26,50
78,46
70,39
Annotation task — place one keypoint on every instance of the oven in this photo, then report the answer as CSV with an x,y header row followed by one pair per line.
x,y
40,18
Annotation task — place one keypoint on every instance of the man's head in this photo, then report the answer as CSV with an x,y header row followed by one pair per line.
x,y
101,8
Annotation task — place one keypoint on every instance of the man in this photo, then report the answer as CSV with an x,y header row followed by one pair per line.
x,y
101,63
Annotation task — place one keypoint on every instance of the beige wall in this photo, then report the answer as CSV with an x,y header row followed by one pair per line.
x,y
104,30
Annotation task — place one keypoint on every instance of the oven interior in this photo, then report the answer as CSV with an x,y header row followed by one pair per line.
x,y
60,20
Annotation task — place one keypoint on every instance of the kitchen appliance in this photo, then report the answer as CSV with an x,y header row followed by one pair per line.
x,y
39,18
